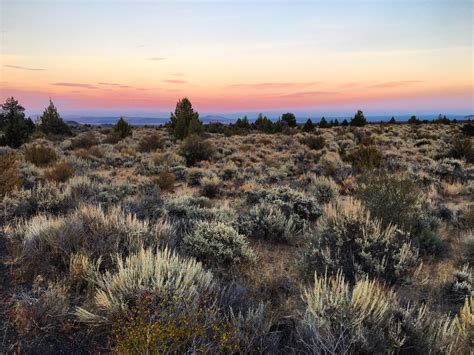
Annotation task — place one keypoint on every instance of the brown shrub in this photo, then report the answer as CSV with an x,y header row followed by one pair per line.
x,y
40,155
61,172
85,140
10,176
150,143
366,158
165,180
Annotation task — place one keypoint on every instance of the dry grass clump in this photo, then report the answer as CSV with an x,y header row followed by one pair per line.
x,y
323,188
163,274
347,237
217,242
10,178
40,155
45,244
60,172
367,318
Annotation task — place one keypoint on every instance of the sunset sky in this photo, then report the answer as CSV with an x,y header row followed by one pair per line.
x,y
315,57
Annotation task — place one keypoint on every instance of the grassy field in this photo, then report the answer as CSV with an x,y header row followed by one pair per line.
x,y
339,240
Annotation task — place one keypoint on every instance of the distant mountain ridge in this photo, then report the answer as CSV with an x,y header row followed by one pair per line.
x,y
141,121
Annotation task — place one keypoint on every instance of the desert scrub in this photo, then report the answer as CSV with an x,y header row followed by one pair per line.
x,y
324,189
84,140
44,244
10,178
290,201
393,199
40,155
264,221
194,176
366,158
182,282
195,149
60,172
165,180
40,312
462,284
368,318
42,198
348,237
217,242
150,143
210,186
314,142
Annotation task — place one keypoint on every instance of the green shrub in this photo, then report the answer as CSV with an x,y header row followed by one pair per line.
x,y
40,155
264,221
347,237
392,199
16,128
217,242
195,149
428,243
366,158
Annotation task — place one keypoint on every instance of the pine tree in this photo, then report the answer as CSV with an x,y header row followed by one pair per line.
x,y
308,126
392,120
122,129
16,128
289,118
185,120
51,122
323,123
359,119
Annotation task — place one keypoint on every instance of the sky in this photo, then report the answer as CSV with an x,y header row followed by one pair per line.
x,y
309,57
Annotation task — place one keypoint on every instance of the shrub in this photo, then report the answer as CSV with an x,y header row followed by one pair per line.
x,y
230,170
217,242
323,188
347,237
10,178
40,155
314,142
84,140
195,149
210,186
270,223
150,143
428,243
462,285
165,180
290,201
462,148
339,319
181,282
366,158
195,175
42,198
44,245
60,172
122,129
40,312
392,199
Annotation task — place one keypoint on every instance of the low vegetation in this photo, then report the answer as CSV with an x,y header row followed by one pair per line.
x,y
332,237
